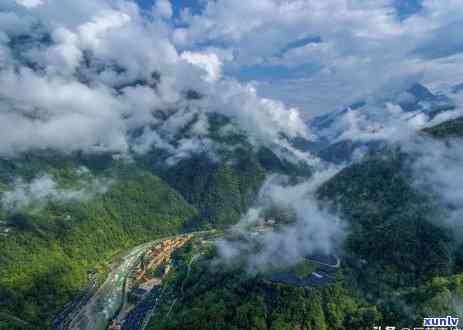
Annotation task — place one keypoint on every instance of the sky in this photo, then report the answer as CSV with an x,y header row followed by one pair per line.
x,y
321,55
267,64
111,76
194,6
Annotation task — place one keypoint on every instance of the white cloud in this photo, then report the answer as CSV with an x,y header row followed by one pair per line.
x,y
30,3
388,123
163,8
436,171
37,192
66,53
96,71
314,231
363,45
209,62
313,53
90,48
271,24
92,32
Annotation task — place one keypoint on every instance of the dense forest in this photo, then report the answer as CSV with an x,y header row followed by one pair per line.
x,y
48,245
47,251
207,294
397,268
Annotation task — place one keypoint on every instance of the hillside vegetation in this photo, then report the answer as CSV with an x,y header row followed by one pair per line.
x,y
397,268
50,244
48,251
451,128
210,295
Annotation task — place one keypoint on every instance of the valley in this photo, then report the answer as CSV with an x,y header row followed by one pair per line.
x,y
127,287
230,165
177,279
136,282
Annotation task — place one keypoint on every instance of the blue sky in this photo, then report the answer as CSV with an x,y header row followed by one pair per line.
x,y
313,55
266,72
177,5
283,52
405,7
326,55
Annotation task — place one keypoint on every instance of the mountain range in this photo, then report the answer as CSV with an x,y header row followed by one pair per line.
x,y
50,242
341,133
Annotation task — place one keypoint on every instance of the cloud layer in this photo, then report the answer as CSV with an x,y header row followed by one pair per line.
x,y
437,171
91,75
327,54
312,231
34,194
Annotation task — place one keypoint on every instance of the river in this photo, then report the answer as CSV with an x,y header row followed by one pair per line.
x,y
106,302
103,306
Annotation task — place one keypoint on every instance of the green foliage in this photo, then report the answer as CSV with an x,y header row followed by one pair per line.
x,y
46,255
451,128
221,192
390,227
304,268
208,295
397,268
221,187
440,296
274,164
396,256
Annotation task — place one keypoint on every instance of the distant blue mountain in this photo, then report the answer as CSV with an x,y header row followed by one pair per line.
x,y
417,103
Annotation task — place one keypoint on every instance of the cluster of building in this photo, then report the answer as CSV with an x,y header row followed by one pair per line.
x,y
141,285
158,254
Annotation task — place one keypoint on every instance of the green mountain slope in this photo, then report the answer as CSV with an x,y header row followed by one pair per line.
x,y
221,186
389,220
47,252
396,254
50,244
451,128
205,294
222,192
397,268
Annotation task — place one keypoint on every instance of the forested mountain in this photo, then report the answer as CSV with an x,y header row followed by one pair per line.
x,y
398,265
93,207
64,215
448,129
393,249
48,248
172,164
369,123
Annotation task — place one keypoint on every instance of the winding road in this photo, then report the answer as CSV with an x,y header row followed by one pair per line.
x,y
105,303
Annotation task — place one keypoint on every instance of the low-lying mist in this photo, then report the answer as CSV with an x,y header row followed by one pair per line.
x,y
35,193
308,229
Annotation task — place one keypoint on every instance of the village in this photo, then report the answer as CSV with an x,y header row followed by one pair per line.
x,y
145,277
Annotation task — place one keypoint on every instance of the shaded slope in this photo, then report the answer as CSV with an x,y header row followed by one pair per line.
x,y
398,266
207,295
391,231
47,253
223,180
451,128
